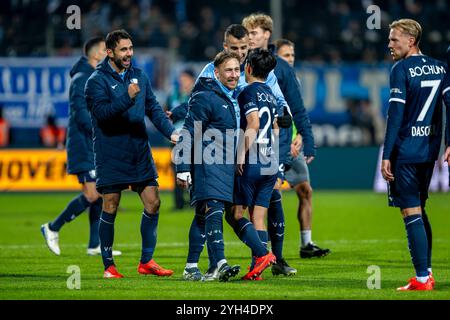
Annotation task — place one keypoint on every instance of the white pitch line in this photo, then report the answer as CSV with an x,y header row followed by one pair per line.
x,y
117,245
227,243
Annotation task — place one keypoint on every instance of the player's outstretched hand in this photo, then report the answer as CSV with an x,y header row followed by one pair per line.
x,y
174,138
447,155
386,170
184,179
296,146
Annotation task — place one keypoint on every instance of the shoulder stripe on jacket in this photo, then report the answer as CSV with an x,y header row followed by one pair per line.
x,y
397,100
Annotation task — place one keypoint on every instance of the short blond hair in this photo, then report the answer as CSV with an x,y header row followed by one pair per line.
x,y
224,56
409,27
256,20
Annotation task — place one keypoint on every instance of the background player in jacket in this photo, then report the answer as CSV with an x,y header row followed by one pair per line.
x,y
286,50
80,155
236,39
297,175
413,141
119,96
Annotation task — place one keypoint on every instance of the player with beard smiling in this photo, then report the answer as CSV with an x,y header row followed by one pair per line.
x,y
119,96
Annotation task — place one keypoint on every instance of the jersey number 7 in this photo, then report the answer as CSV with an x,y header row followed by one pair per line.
x,y
434,85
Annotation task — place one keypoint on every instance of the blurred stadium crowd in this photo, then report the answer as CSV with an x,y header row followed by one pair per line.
x,y
180,35
323,30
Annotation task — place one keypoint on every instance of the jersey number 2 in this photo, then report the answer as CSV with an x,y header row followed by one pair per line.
x,y
262,136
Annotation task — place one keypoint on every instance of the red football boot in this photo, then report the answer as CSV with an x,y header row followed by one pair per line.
x,y
112,273
261,264
152,267
413,284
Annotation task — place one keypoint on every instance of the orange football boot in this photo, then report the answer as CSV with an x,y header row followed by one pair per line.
x,y
152,267
413,284
261,264
112,273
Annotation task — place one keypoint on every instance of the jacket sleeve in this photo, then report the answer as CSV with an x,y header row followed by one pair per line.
x,y
154,111
198,113
272,82
179,112
79,106
99,103
446,98
396,109
292,93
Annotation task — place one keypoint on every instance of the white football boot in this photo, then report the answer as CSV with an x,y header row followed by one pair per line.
x,y
51,238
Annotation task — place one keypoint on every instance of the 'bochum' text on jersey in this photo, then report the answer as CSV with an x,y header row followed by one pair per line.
x,y
258,97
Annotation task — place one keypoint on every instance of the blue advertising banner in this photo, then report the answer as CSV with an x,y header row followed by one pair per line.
x,y
32,88
327,88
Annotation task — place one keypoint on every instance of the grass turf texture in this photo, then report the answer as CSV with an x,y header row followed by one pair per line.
x,y
357,226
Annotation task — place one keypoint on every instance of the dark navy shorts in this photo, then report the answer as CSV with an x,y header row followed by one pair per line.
x,y
136,187
86,176
410,186
252,188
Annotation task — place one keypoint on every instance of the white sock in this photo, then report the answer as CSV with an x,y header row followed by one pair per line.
x,y
191,265
422,279
221,262
305,236
429,270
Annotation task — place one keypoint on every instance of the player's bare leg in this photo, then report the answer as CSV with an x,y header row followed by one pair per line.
x,y
304,215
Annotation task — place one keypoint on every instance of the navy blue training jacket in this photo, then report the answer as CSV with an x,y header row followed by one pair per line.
x,y
80,154
209,106
121,147
290,87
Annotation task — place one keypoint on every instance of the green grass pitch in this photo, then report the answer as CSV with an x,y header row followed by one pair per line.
x,y
357,226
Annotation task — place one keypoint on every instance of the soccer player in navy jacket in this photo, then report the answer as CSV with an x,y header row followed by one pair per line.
x,y
236,40
297,175
80,154
119,96
208,164
413,140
